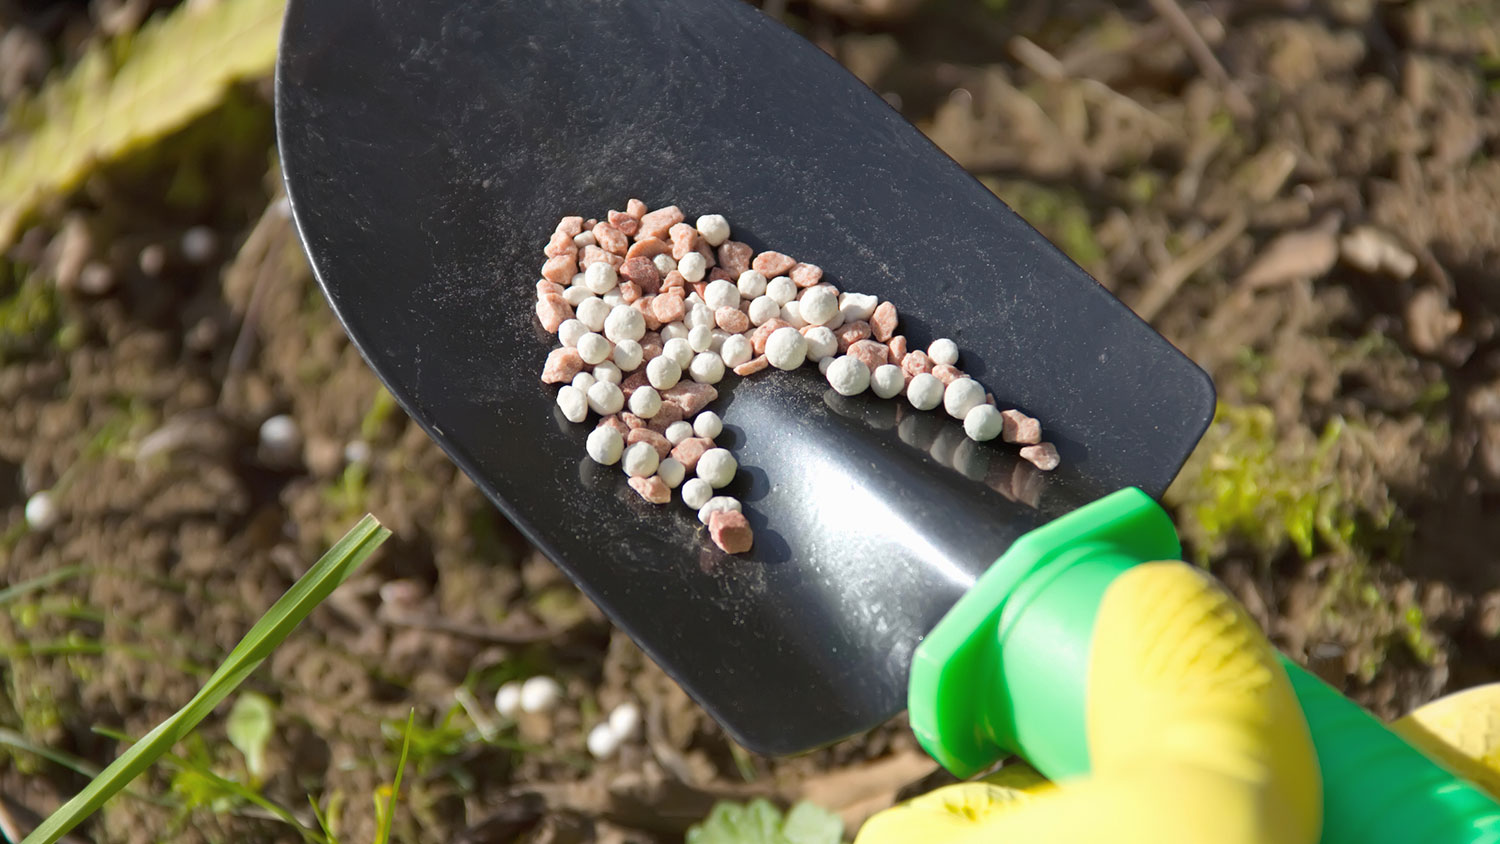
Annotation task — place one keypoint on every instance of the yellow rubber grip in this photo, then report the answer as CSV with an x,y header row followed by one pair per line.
x,y
1462,732
1194,736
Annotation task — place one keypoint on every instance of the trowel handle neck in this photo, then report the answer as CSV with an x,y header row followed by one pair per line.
x,y
1006,669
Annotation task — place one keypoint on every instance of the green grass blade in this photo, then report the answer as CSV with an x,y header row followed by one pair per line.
x,y
388,817
41,582
83,767
11,738
309,590
322,821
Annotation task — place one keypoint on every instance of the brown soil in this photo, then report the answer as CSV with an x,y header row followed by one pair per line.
x,y
136,383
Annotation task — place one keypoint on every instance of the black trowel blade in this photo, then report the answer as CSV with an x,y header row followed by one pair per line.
x,y
430,148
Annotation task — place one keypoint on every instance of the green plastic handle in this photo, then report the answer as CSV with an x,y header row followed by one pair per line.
x,y
1005,671
1376,787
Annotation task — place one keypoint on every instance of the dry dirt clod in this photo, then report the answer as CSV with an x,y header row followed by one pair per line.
x,y
153,259
1430,322
201,432
1487,622
1329,660
96,279
1309,253
1484,402
1487,450
324,456
1373,251
25,61
69,251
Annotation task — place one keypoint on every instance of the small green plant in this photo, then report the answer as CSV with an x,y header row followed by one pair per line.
x,y
1248,480
194,783
198,786
1144,186
1352,601
29,312
1418,639
331,570
430,745
759,822
127,419
382,407
347,493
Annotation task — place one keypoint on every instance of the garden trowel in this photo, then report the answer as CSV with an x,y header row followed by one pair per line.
x,y
430,147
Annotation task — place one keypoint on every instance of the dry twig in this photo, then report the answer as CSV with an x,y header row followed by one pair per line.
x,y
1044,64
1171,278
1182,26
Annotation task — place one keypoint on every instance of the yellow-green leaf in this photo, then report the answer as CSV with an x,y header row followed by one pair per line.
x,y
252,719
127,93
